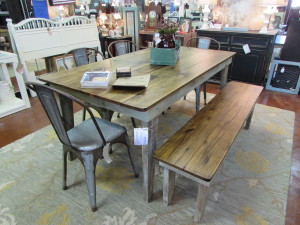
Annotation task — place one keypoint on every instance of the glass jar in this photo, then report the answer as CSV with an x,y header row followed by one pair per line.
x,y
167,41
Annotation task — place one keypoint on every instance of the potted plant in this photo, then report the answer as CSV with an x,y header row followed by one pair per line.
x,y
167,50
167,34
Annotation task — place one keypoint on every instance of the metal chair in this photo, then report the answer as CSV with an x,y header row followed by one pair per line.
x,y
204,43
121,47
86,140
83,56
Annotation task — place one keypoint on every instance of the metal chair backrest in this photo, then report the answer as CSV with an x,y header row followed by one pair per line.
x,y
83,56
121,47
203,42
46,96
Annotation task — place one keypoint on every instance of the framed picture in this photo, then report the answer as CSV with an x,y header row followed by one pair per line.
x,y
131,23
186,24
278,20
173,19
58,64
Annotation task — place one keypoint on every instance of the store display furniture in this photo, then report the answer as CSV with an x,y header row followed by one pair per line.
x,y
36,38
167,85
16,104
251,67
87,140
284,74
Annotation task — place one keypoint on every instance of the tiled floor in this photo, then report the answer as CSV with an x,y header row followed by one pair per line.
x,y
27,121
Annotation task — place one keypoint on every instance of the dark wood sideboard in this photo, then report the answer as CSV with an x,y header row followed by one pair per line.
x,y
251,67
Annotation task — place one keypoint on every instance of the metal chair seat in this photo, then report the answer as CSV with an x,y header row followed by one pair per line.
x,y
83,135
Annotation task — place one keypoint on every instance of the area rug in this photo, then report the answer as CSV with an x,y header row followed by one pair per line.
x,y
249,188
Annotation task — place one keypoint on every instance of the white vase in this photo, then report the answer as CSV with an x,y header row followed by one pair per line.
x,y
6,92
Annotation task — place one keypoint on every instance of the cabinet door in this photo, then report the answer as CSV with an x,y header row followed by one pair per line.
x,y
248,67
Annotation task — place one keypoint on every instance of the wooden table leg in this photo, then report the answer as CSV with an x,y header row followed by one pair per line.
x,y
148,162
68,115
224,74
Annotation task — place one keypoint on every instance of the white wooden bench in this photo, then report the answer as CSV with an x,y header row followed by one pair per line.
x,y
197,150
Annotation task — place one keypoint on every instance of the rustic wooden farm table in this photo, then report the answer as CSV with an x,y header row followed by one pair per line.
x,y
167,85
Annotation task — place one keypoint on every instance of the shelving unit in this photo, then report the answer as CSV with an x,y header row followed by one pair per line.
x,y
144,38
251,67
16,104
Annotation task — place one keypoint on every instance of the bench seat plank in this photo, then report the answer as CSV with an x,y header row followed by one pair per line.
x,y
200,153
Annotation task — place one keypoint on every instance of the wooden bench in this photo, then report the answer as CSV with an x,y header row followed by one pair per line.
x,y
197,149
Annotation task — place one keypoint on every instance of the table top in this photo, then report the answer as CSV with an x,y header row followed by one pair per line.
x,y
165,80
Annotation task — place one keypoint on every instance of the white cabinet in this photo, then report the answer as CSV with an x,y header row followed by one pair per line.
x,y
13,104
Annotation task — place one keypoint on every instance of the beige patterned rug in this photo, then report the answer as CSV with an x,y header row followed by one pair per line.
x,y
250,187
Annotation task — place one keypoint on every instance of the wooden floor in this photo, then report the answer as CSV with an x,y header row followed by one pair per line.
x,y
20,124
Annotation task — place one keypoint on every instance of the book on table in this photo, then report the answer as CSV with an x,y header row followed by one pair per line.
x,y
136,81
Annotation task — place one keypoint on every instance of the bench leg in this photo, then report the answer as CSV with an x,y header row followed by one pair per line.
x,y
168,186
200,204
248,121
197,90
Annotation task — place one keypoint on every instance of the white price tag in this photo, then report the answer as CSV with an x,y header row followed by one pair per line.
x,y
106,153
246,49
20,68
140,136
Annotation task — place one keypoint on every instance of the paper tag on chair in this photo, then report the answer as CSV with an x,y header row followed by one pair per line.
x,y
140,136
106,153
20,68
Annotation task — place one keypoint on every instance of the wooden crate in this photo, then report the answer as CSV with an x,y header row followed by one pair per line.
x,y
164,56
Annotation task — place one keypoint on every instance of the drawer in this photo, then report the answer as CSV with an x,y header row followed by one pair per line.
x,y
241,50
262,43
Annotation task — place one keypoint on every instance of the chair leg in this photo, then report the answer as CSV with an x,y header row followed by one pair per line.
x,y
197,91
83,115
204,92
133,122
184,97
248,121
65,156
129,149
118,115
89,167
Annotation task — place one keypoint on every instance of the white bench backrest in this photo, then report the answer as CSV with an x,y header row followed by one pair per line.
x,y
37,37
